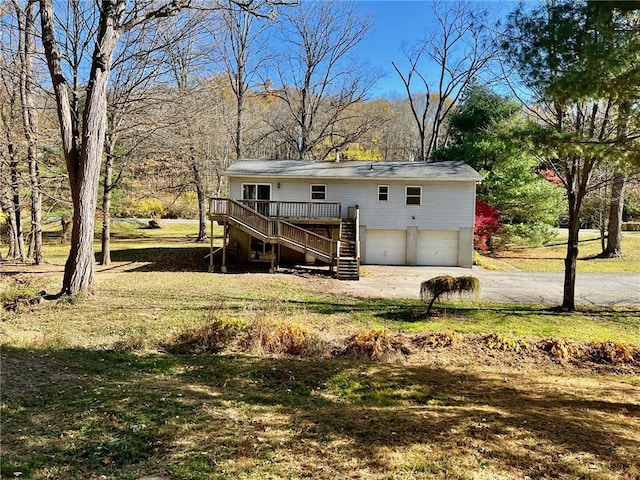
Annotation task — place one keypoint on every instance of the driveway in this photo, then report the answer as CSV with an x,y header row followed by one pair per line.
x,y
604,289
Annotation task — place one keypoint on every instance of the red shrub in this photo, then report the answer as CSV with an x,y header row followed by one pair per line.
x,y
487,223
551,176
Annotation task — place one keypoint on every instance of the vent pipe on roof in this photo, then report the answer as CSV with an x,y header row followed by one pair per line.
x,y
337,155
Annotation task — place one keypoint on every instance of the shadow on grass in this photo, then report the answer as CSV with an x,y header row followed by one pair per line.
x,y
410,310
76,413
164,259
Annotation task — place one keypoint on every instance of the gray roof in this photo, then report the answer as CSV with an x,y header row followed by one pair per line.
x,y
448,171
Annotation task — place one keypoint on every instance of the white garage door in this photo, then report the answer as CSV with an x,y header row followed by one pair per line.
x,y
438,248
386,247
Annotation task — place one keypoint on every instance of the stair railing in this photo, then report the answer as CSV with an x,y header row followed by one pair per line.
x,y
275,231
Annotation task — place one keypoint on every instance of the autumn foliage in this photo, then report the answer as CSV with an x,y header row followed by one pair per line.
x,y
487,224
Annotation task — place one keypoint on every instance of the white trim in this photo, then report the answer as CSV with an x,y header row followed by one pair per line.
x,y
406,196
323,185
388,194
256,184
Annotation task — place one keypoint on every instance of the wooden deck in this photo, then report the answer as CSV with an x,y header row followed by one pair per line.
x,y
278,223
325,213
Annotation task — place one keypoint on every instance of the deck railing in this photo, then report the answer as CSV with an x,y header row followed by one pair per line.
x,y
274,231
300,210
311,241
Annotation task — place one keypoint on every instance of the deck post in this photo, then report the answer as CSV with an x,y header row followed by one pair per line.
x,y
211,249
223,267
273,259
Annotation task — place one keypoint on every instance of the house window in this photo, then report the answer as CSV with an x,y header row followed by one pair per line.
x,y
383,193
318,192
413,196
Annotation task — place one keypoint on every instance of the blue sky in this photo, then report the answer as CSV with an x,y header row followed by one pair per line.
x,y
398,21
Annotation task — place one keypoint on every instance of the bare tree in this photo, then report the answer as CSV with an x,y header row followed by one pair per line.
x,y
185,58
26,47
243,52
139,64
320,79
451,57
10,181
83,150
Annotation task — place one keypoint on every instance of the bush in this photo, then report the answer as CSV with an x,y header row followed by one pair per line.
x,y
284,337
558,348
438,339
525,235
447,286
370,344
507,344
212,337
487,224
612,352
631,226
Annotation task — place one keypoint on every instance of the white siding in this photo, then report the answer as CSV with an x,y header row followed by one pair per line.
x,y
445,205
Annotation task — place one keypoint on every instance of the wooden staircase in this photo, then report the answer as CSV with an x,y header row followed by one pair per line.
x,y
343,254
348,262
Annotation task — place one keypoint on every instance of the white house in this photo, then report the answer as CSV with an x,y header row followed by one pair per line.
x,y
401,213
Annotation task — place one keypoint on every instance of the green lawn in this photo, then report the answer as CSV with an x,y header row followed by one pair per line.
x,y
550,258
90,390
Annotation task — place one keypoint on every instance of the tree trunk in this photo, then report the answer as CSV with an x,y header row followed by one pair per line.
x,y
202,207
35,247
16,246
239,122
106,205
29,124
614,224
83,165
570,263
12,231
614,228
575,193
17,209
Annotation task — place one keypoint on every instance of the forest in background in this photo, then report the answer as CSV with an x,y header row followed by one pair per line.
x,y
155,99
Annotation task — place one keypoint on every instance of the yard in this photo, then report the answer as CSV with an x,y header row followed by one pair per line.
x,y
173,370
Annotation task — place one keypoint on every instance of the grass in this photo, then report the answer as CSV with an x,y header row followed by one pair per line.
x,y
89,390
550,258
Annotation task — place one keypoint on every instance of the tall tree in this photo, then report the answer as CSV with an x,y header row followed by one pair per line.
x,y
320,79
243,54
10,156
26,46
83,150
185,58
486,134
449,59
553,47
140,65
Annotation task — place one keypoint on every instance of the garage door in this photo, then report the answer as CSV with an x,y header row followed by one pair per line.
x,y
386,247
438,248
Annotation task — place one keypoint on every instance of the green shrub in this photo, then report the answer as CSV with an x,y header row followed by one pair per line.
x,y
525,235
631,226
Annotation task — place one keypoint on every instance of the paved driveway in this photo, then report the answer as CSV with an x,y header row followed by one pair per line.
x,y
606,289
